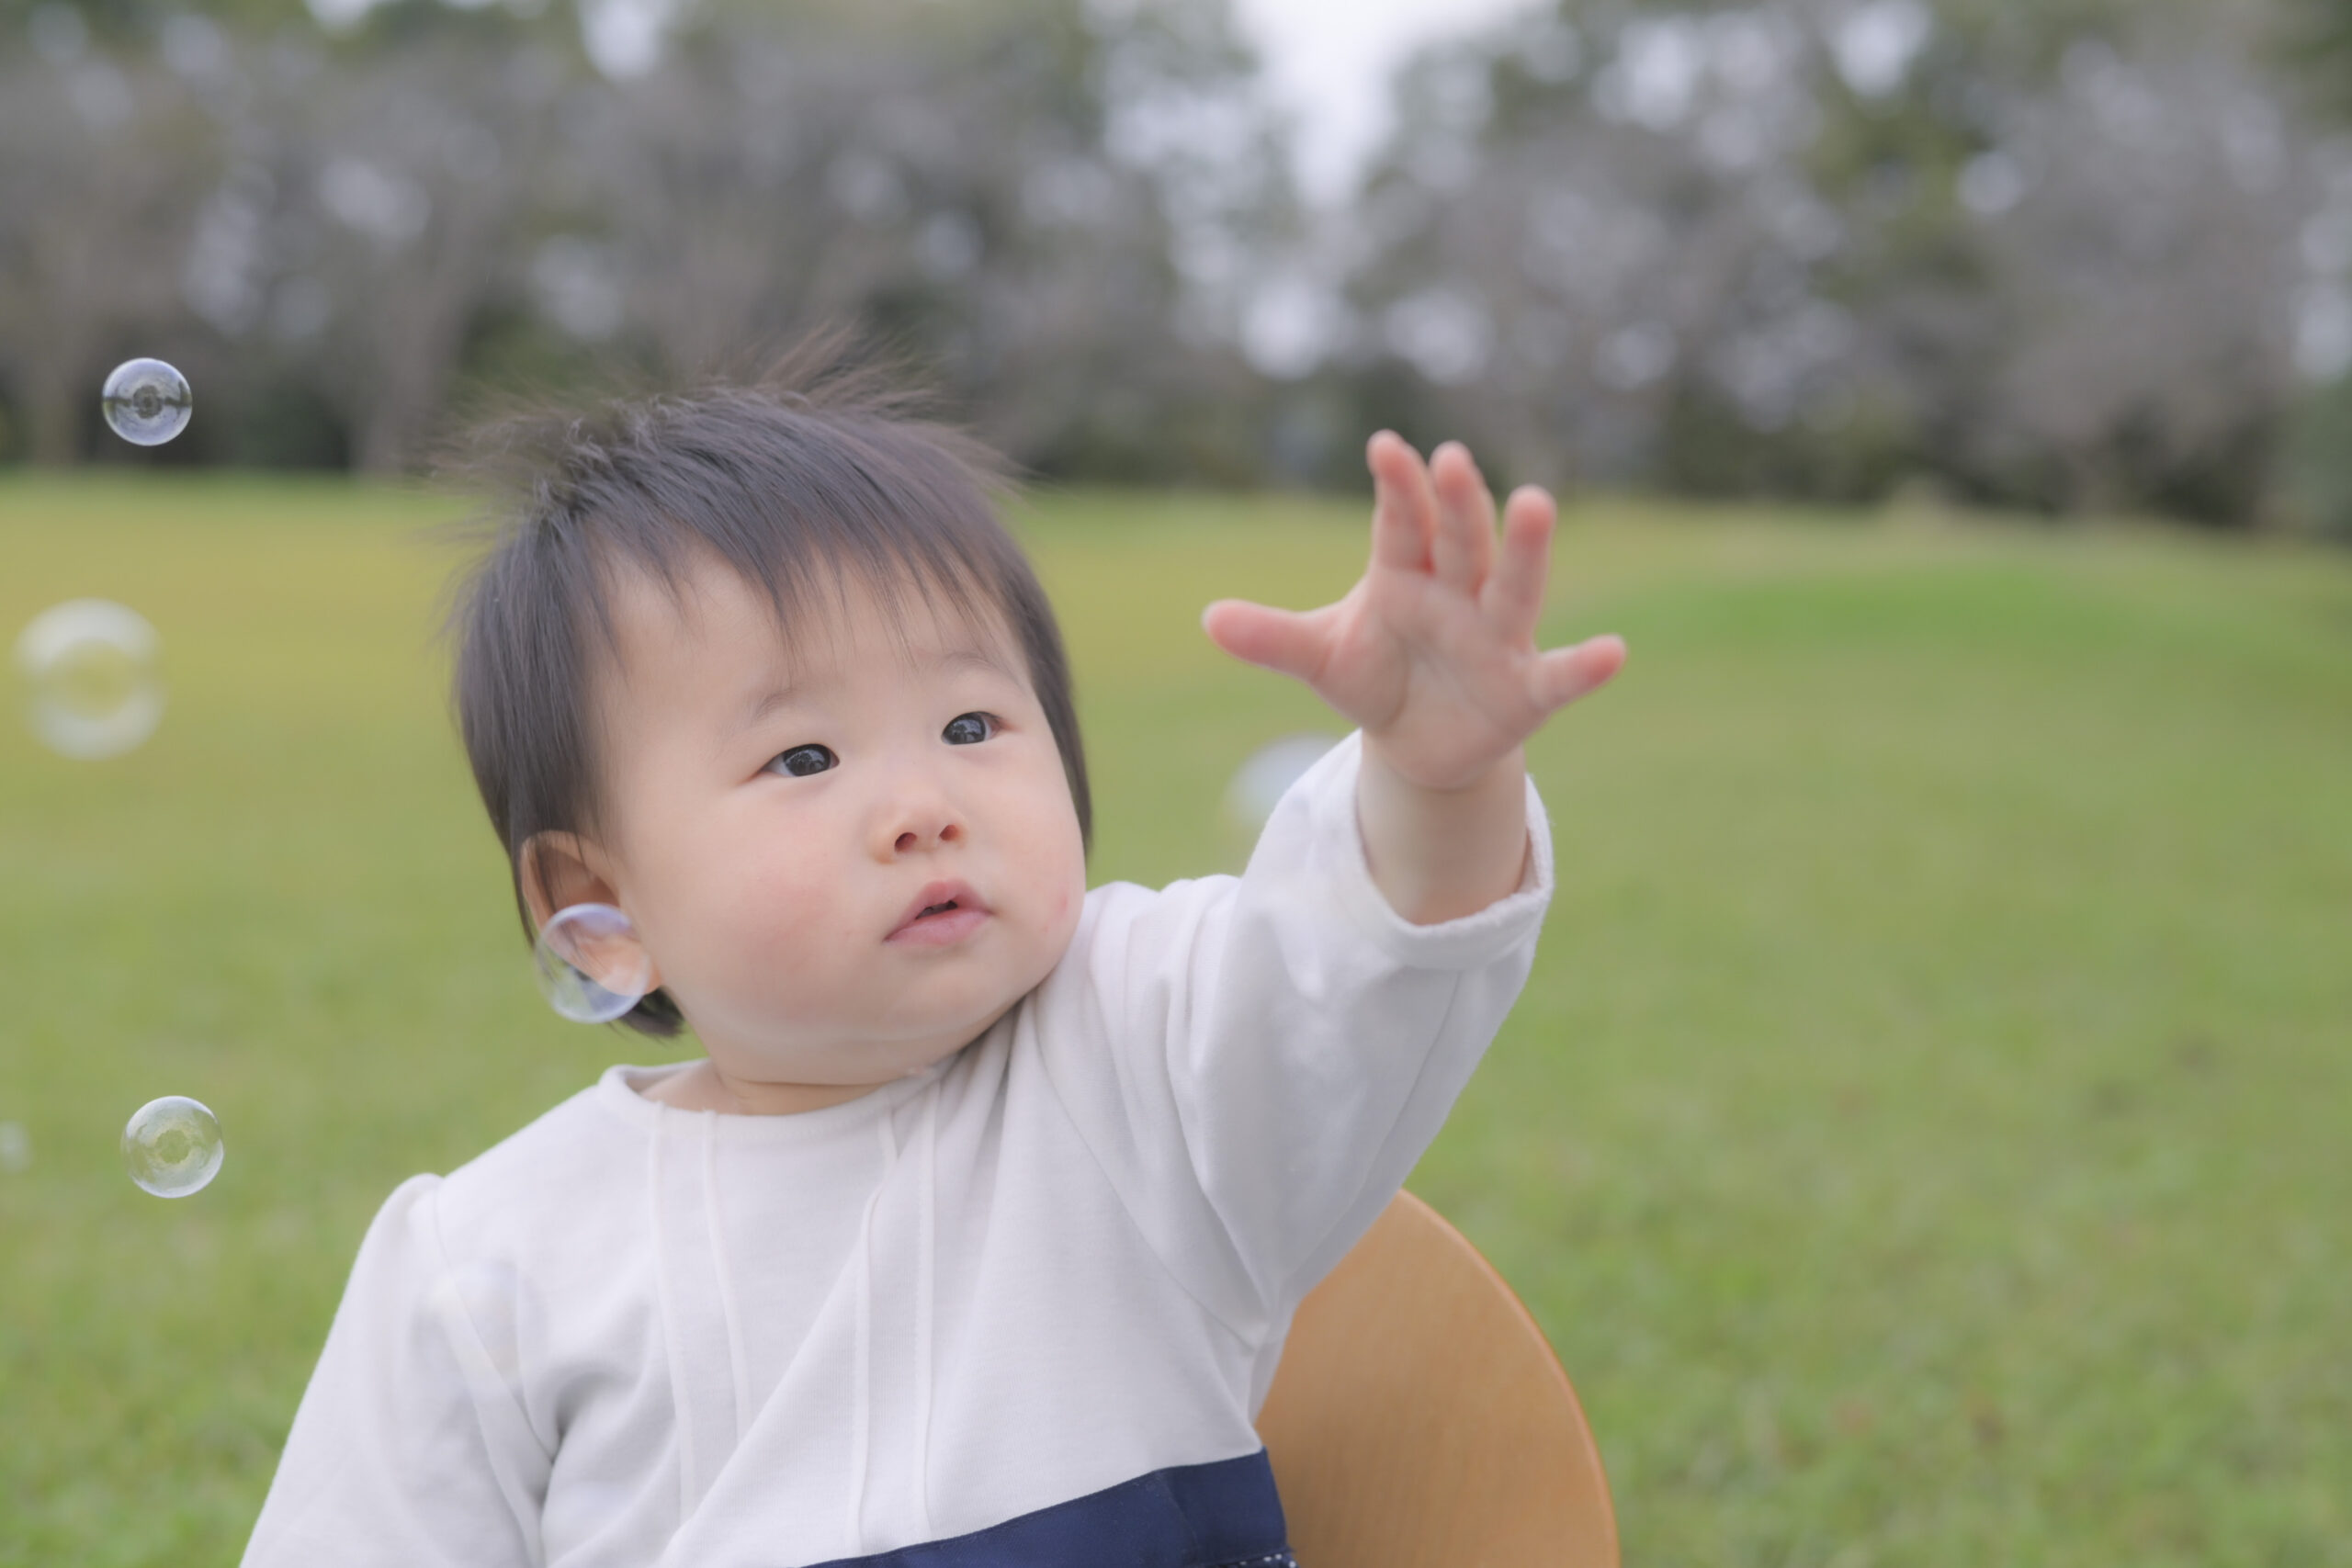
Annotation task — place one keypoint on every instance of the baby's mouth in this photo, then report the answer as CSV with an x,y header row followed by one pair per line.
x,y
944,911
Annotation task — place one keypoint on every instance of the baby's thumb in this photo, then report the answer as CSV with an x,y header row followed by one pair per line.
x,y
1563,674
1285,641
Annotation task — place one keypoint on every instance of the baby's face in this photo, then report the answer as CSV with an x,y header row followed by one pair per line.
x,y
777,822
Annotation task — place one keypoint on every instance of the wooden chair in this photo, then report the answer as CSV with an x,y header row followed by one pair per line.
x,y
1419,1419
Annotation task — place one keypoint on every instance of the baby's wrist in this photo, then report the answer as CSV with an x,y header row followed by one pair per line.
x,y
1454,777
1438,854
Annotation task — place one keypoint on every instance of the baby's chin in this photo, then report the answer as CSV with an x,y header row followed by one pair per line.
x,y
882,1052
883,1065
923,1026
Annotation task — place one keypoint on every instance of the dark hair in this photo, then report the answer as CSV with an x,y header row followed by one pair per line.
x,y
821,468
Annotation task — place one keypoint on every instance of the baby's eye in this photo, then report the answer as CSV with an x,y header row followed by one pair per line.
x,y
802,761
968,729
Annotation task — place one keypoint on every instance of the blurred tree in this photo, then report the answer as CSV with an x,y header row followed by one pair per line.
x,y
89,217
2317,53
2043,254
114,22
1049,201
2317,44
420,175
2113,202
276,212
974,190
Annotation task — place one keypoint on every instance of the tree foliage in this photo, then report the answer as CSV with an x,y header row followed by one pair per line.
x,y
338,235
2078,254
2043,256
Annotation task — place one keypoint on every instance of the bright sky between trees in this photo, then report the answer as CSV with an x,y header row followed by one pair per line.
x,y
1329,60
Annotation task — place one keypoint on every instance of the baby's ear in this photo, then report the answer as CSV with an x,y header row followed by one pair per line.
x,y
559,870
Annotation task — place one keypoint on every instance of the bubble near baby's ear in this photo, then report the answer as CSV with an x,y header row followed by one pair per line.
x,y
592,967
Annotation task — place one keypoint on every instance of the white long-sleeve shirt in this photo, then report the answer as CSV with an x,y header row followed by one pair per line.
x,y
1062,1259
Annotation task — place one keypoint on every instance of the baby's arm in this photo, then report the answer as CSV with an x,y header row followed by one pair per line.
x,y
408,1450
1432,654
1257,1062
1315,1020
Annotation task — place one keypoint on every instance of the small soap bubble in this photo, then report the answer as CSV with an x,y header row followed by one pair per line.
x,y
592,966
172,1146
15,1148
1260,784
90,668
147,403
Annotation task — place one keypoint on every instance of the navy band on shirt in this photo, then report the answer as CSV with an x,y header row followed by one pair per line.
x,y
1223,1515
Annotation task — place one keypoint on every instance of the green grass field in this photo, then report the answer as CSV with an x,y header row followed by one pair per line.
x,y
1924,1137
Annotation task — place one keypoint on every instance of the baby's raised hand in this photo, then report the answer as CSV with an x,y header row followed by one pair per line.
x,y
1433,653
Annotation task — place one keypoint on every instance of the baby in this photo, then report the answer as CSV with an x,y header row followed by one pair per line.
x,y
973,1237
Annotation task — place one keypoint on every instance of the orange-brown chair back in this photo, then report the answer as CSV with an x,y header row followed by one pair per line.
x,y
1419,1419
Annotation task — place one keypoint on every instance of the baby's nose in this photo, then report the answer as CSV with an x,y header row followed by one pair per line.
x,y
920,817
945,832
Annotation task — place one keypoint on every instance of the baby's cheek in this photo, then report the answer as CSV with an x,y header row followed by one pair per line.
x,y
786,923
1057,895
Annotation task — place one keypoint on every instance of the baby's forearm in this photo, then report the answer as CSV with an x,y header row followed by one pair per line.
x,y
1440,854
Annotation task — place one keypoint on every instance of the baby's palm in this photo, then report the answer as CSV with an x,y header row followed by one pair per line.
x,y
1433,653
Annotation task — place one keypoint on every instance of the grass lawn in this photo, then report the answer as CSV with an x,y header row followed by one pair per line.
x,y
1924,1137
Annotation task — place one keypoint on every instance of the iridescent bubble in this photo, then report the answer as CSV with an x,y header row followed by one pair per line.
x,y
147,403
15,1148
591,964
90,665
172,1146
1260,784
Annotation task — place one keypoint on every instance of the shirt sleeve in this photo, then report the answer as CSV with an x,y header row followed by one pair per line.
x,y
409,1450
1257,1062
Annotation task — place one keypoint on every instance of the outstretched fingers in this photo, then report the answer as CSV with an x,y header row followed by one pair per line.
x,y
1563,674
1404,509
1463,547
1289,642
1514,592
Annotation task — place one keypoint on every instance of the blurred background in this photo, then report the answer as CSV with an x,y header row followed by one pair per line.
x,y
1923,1135
2066,256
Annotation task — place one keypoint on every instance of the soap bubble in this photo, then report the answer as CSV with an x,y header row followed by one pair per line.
x,y
90,663
172,1146
15,1148
592,967
147,401
1260,784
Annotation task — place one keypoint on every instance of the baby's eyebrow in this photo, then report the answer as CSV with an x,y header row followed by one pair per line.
x,y
765,704
969,656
